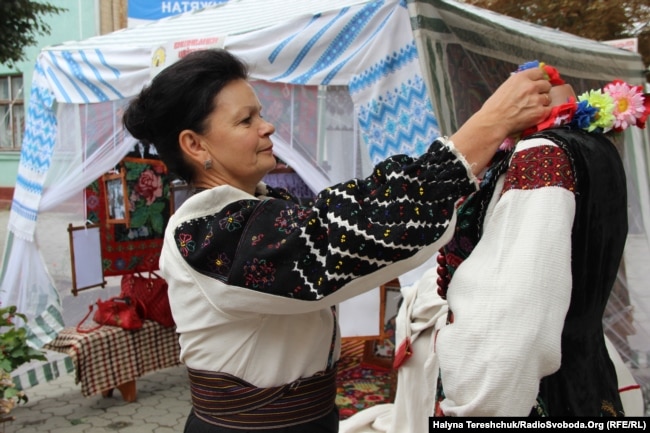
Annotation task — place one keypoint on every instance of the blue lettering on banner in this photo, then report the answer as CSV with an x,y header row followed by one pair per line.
x,y
157,9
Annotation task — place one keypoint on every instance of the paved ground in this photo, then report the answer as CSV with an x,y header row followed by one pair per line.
x,y
58,406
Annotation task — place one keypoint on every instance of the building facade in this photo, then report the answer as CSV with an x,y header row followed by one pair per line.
x,y
81,19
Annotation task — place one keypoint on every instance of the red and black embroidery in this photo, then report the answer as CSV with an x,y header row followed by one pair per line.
x,y
539,167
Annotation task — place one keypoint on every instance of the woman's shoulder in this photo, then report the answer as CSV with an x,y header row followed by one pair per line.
x,y
538,139
214,198
209,202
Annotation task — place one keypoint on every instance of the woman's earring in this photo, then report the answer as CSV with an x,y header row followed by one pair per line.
x,y
207,164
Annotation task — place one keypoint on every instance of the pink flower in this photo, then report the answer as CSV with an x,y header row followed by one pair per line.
x,y
630,108
92,201
509,143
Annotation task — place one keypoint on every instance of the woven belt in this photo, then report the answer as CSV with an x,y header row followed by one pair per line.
x,y
227,401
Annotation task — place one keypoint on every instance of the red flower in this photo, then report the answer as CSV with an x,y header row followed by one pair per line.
x,y
453,260
560,115
640,122
149,186
553,75
374,398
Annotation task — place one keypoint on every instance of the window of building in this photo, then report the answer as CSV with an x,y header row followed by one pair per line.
x,y
12,112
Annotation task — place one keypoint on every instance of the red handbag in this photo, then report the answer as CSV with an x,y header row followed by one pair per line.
x,y
152,292
124,312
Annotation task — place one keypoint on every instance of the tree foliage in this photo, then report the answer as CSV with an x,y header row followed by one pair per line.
x,y
600,20
21,21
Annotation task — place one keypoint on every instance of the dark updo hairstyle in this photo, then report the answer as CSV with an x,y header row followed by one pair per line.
x,y
181,97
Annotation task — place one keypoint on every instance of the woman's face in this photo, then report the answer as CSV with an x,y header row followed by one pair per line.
x,y
238,138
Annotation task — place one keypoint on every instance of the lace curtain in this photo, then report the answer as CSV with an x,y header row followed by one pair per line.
x,y
89,142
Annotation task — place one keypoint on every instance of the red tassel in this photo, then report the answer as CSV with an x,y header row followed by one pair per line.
x,y
403,353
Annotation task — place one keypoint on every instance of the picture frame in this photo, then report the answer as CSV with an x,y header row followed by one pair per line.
x,y
132,244
86,257
379,352
179,192
117,199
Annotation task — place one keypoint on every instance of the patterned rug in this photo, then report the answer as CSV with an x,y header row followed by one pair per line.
x,y
360,385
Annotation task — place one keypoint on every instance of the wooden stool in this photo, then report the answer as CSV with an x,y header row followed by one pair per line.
x,y
127,389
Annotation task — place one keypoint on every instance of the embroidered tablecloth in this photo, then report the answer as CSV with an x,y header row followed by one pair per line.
x,y
110,356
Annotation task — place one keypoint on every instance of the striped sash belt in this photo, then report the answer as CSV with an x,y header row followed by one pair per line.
x,y
227,401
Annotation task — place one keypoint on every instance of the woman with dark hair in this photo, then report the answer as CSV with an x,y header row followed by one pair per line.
x,y
254,277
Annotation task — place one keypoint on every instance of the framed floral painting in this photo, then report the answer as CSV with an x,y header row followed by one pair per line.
x,y
132,244
148,189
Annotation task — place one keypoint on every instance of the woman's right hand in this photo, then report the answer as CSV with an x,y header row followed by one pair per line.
x,y
520,102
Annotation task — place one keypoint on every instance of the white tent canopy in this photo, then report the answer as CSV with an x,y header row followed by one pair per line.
x,y
376,71
355,60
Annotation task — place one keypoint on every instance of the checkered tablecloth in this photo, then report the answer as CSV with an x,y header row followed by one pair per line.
x,y
110,356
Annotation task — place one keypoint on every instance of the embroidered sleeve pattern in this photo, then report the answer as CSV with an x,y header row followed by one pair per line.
x,y
539,167
353,229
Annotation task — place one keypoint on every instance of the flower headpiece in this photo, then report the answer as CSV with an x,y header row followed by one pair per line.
x,y
615,107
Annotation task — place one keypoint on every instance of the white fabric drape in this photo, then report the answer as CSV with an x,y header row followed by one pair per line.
x,y
89,142
629,320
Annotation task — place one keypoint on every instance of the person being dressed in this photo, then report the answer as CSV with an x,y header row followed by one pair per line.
x,y
532,263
